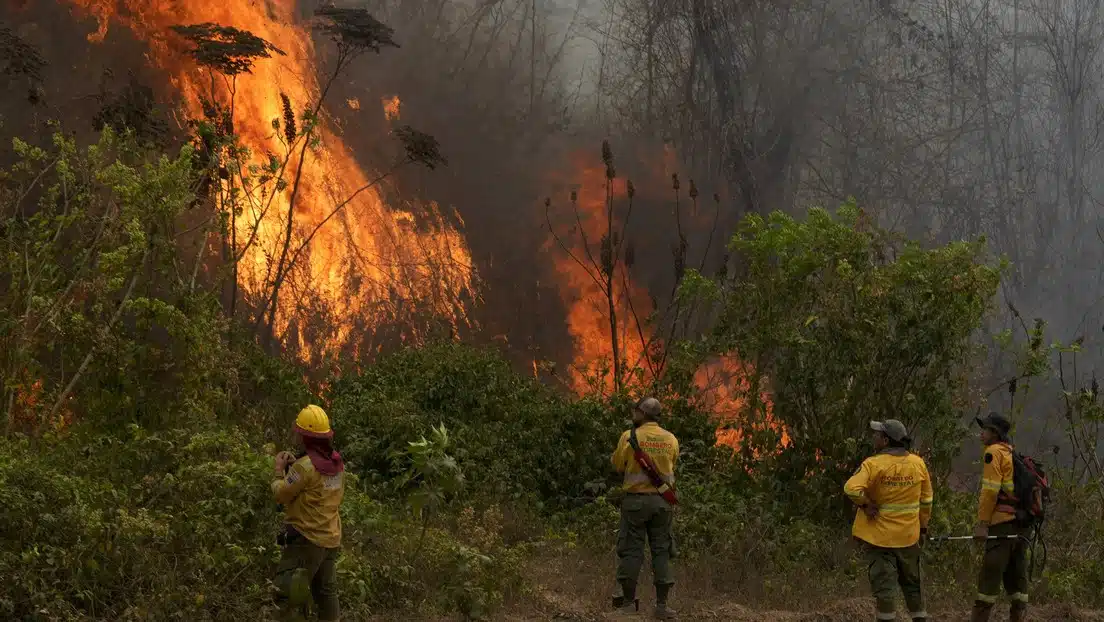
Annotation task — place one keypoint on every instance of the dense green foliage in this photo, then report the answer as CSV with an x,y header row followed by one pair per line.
x,y
842,325
102,319
517,439
141,526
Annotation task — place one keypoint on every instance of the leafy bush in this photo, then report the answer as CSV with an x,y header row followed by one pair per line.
x,y
844,326
515,439
147,524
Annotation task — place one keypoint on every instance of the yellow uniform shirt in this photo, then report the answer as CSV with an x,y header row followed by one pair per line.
x,y
312,502
996,477
898,483
658,443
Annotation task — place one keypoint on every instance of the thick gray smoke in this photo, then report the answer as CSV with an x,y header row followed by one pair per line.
x,y
948,120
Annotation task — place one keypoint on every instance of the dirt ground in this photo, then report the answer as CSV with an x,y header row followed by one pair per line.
x,y
851,610
577,589
573,590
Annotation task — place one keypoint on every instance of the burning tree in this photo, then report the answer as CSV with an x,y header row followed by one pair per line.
x,y
638,327
262,202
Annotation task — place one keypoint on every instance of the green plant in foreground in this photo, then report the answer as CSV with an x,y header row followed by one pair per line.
x,y
430,477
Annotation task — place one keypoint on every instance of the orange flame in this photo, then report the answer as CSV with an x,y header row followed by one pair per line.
x,y
723,384
391,107
724,387
575,247
373,262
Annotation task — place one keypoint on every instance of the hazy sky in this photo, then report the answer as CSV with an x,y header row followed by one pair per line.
x,y
581,53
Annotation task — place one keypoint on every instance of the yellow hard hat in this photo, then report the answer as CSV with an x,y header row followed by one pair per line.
x,y
312,421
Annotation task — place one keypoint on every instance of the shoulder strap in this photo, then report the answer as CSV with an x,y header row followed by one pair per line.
x,y
649,468
635,444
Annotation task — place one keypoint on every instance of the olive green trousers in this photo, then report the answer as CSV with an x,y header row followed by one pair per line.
x,y
644,518
890,568
1004,562
307,569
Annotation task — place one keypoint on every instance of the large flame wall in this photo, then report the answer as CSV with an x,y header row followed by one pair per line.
x,y
373,262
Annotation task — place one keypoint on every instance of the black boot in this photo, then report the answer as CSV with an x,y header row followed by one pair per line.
x,y
981,612
662,611
626,602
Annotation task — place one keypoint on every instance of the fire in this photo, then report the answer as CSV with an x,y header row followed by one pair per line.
x,y
723,384
391,107
584,296
724,387
373,262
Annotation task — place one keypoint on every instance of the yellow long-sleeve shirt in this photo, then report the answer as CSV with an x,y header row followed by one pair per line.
x,y
996,477
658,443
312,502
898,483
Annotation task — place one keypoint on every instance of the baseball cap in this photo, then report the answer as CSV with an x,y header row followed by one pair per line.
x,y
892,428
650,406
996,422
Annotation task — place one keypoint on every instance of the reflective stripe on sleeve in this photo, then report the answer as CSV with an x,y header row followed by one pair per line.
x,y
990,484
901,508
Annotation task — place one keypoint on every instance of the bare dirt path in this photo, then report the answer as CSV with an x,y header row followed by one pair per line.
x,y
851,610
577,592
577,589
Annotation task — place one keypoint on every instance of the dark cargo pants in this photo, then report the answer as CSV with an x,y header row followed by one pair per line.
x,y
1005,561
889,568
644,517
305,567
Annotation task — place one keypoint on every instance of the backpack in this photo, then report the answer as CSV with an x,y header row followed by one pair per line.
x,y
1032,490
1030,502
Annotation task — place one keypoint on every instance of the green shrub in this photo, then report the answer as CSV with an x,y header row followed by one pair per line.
x,y
844,324
515,439
147,524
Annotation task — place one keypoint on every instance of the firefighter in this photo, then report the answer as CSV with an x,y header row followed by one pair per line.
x,y
310,487
1005,559
645,512
893,491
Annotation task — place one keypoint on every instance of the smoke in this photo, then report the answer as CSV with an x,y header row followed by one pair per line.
x,y
81,84
505,106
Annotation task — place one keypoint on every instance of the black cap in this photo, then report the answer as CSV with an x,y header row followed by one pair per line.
x,y
996,422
